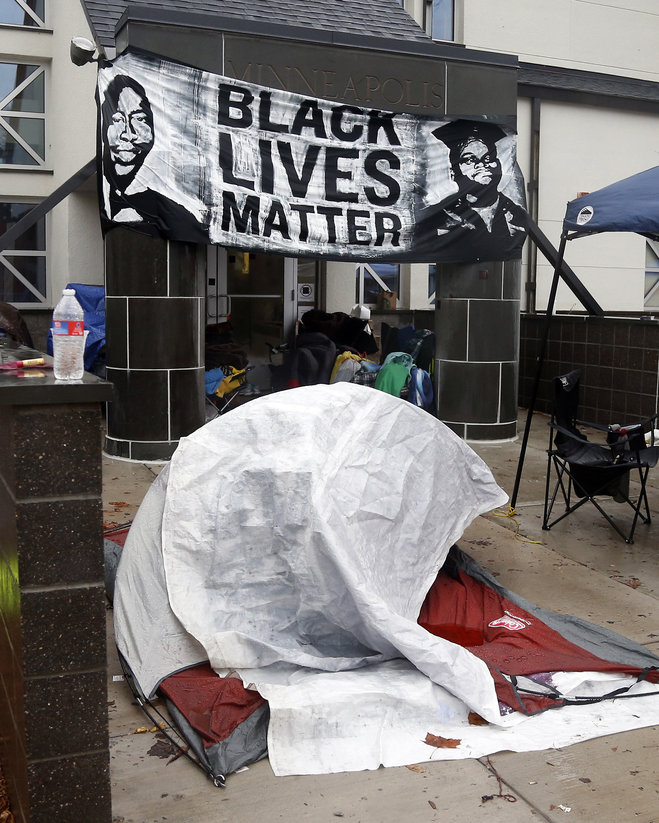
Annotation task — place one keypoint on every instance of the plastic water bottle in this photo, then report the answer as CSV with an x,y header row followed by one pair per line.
x,y
68,337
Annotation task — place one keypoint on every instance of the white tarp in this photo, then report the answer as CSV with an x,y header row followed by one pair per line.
x,y
294,540
347,721
304,527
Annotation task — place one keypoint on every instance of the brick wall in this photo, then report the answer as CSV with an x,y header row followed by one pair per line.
x,y
618,359
53,686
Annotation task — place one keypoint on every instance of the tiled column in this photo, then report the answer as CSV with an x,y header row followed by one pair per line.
x,y
154,350
53,680
477,356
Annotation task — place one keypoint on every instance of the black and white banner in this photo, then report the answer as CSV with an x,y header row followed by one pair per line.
x,y
203,158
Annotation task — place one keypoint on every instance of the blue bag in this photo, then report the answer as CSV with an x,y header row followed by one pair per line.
x,y
419,389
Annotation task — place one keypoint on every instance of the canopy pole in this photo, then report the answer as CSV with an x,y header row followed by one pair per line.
x,y
538,371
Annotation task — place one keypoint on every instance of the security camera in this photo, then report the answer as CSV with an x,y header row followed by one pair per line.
x,y
82,51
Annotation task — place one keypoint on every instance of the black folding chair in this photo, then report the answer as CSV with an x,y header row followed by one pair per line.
x,y
584,471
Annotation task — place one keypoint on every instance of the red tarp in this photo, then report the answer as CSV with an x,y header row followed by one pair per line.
x,y
214,706
507,638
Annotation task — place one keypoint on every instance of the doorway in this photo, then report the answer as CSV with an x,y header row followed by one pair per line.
x,y
255,295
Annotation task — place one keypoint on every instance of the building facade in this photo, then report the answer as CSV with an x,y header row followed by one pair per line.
x,y
47,117
587,102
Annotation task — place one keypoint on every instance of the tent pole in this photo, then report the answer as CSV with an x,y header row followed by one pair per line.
x,y
538,371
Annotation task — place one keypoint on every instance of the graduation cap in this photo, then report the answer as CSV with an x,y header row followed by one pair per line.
x,y
457,133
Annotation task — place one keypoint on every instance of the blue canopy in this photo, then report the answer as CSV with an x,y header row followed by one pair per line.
x,y
631,204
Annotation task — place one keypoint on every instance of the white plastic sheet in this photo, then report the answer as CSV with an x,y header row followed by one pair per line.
x,y
307,527
294,540
323,723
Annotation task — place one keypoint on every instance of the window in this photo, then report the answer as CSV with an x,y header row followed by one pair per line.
x,y
432,284
442,20
22,115
374,278
651,275
23,12
23,265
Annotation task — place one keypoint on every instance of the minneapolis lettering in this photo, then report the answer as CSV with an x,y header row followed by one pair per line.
x,y
308,172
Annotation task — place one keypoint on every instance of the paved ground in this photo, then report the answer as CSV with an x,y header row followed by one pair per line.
x,y
581,567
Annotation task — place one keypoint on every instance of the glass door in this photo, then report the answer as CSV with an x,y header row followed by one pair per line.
x,y
255,295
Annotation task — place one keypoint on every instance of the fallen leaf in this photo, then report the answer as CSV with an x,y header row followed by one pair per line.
x,y
477,720
178,754
162,749
141,730
118,503
432,805
441,742
416,768
633,582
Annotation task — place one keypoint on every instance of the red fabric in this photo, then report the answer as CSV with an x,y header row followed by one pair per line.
x,y
214,706
505,637
118,536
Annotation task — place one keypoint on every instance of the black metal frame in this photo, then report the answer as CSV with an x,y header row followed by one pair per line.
x,y
561,270
563,470
625,455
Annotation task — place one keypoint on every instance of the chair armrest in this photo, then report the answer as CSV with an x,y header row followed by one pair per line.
x,y
577,438
597,426
593,454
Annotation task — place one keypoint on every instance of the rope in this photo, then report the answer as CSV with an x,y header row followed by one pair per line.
x,y
510,513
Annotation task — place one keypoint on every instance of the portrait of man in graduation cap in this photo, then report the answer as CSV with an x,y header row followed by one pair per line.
x,y
128,135
477,221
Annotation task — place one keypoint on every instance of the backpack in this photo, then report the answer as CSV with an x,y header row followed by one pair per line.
x,y
419,389
312,360
392,379
395,372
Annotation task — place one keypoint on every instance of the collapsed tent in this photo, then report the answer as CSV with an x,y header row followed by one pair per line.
x,y
282,579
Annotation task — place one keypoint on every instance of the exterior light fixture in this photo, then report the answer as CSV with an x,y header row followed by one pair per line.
x,y
82,51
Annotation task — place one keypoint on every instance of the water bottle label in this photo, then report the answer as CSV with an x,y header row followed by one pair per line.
x,y
73,328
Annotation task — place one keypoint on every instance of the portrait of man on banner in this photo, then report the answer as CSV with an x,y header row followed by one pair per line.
x,y
128,135
483,216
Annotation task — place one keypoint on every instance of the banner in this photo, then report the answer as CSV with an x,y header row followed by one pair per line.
x,y
197,157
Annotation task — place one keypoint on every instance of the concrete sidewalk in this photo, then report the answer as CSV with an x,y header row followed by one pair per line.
x,y
581,567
